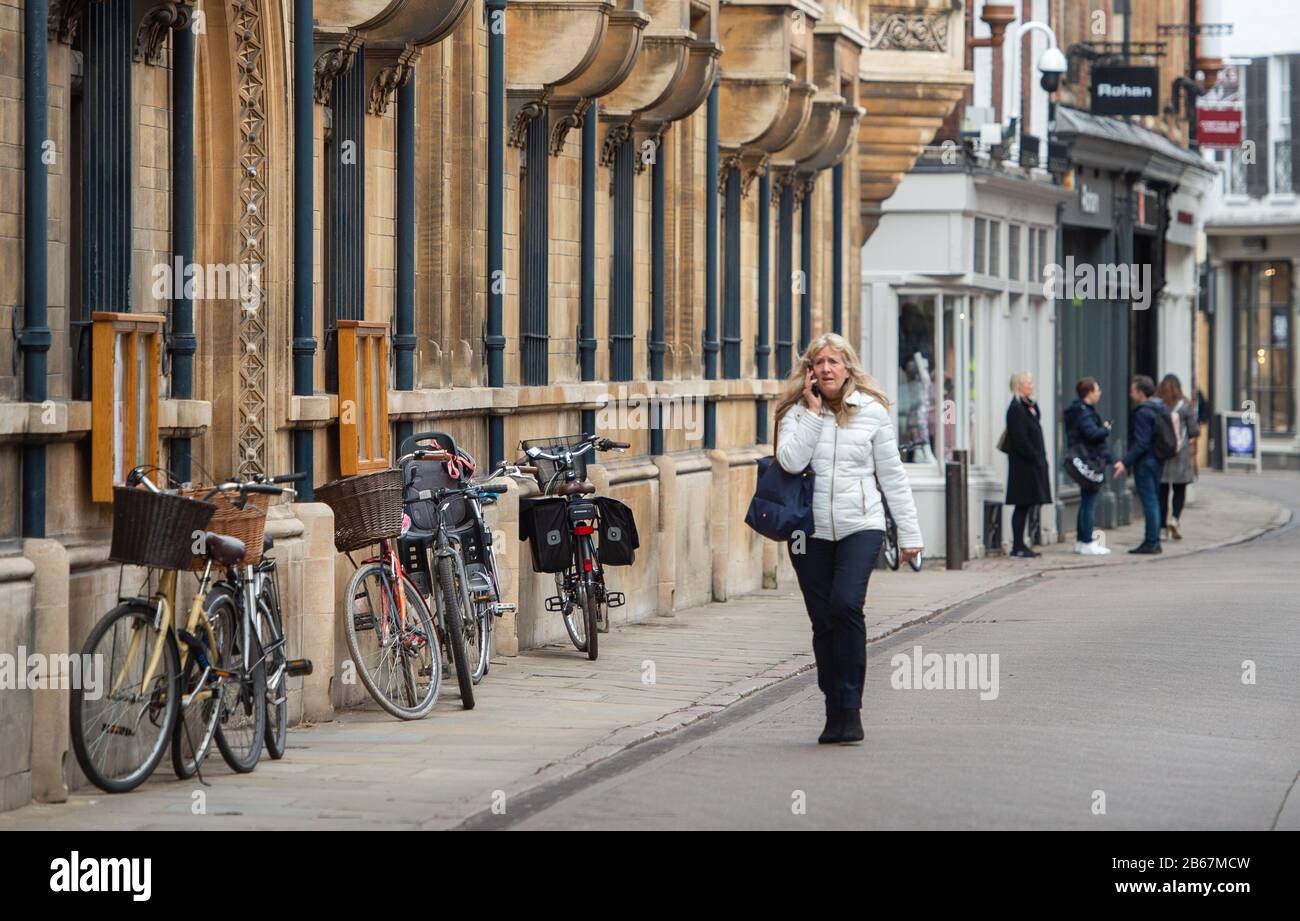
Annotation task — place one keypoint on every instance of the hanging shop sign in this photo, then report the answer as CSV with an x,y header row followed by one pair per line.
x,y
1219,127
1125,90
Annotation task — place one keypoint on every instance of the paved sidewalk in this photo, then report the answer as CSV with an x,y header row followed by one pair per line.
x,y
549,712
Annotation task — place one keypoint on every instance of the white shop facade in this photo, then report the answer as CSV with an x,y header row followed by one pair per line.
x,y
953,304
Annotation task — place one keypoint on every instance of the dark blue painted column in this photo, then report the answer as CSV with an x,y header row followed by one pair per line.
x,y
404,339
535,249
785,282
658,170
711,261
731,280
837,261
183,344
35,342
304,323
806,266
763,349
621,334
495,341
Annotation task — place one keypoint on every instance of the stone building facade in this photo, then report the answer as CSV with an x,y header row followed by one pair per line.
x,y
543,210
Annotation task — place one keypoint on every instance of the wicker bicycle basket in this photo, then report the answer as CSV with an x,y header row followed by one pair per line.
x,y
547,469
245,524
367,508
156,529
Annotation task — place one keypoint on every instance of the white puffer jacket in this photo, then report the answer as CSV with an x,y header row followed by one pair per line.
x,y
846,461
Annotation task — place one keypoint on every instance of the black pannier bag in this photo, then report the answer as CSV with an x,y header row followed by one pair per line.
x,y
544,523
618,537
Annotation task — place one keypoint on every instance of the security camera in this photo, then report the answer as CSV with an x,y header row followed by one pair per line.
x,y
1051,65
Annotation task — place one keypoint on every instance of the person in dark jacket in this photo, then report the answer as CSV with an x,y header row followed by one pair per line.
x,y
1027,479
1141,459
1085,430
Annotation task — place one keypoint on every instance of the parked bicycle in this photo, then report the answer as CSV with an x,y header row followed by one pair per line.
x,y
187,686
889,547
559,527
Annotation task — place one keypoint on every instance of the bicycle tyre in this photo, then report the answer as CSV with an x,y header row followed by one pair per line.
x,y
251,687
415,603
455,633
170,665
186,757
591,611
277,698
570,624
890,546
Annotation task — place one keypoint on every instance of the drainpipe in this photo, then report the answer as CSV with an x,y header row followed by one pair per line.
x,y
763,350
35,341
495,341
837,261
805,265
711,263
587,281
657,345
183,344
785,281
304,333
404,338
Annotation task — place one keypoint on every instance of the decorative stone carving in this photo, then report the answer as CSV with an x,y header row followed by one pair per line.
x,y
252,404
615,137
566,123
901,29
392,69
154,26
65,18
519,126
335,53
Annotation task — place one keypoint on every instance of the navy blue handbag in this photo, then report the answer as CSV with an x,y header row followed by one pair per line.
x,y
782,502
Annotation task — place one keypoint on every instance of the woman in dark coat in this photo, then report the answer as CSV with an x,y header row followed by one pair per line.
x,y
1027,481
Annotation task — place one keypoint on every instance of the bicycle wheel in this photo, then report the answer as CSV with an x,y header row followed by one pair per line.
x,y
242,725
277,682
196,726
574,623
478,632
591,614
890,545
453,612
399,661
917,562
120,736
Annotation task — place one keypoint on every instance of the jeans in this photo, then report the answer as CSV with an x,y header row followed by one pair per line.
x,y
1087,504
833,578
1180,497
1146,480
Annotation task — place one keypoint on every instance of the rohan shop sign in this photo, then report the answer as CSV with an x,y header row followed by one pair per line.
x,y
1125,90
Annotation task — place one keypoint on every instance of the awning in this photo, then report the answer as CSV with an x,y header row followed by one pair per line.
x,y
1111,143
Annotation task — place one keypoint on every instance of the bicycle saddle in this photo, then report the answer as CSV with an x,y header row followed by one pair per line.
x,y
226,551
575,488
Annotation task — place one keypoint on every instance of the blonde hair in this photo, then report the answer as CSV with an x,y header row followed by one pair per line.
x,y
859,379
1018,381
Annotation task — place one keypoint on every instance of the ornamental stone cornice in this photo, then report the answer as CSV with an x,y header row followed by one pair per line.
x,y
335,50
387,68
152,21
552,42
412,22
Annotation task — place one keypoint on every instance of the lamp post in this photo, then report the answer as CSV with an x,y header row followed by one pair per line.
x,y
1051,64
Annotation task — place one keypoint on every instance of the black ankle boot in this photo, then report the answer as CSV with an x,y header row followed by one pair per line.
x,y
834,726
851,727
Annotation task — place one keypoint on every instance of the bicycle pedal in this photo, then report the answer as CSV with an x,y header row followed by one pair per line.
x,y
363,621
615,599
502,607
298,667
555,603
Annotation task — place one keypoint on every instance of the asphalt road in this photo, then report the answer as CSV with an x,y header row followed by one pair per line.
x,y
1120,704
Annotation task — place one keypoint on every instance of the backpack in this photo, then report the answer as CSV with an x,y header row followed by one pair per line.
x,y
1164,440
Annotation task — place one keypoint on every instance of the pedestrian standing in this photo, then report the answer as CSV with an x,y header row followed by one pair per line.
x,y
1027,480
1178,471
834,417
1085,430
1141,457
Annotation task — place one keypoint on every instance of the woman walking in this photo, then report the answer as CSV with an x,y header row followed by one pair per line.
x,y
1085,432
1177,472
833,416
1027,482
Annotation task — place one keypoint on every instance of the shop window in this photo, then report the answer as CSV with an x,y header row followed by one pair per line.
x,y
126,368
958,407
981,245
363,396
918,391
1264,348
1031,264
1013,252
1042,253
995,249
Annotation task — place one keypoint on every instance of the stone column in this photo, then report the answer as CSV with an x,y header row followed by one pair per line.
x,y
316,607
50,638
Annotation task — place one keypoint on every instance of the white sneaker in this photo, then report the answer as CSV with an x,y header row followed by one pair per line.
x,y
1175,529
1095,549
1079,547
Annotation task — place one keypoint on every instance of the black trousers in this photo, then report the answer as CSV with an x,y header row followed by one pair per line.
x,y
1180,496
1019,518
833,578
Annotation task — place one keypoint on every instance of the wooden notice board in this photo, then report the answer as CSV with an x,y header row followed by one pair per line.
x,y
126,365
363,396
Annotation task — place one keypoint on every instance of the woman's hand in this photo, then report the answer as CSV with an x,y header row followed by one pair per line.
x,y
810,397
907,553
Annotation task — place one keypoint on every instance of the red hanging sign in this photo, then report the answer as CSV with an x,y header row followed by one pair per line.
x,y
1219,128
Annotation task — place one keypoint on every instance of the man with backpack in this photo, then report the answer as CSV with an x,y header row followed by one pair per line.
x,y
1151,443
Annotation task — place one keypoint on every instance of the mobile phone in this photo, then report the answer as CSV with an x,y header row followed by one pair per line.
x,y
816,388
